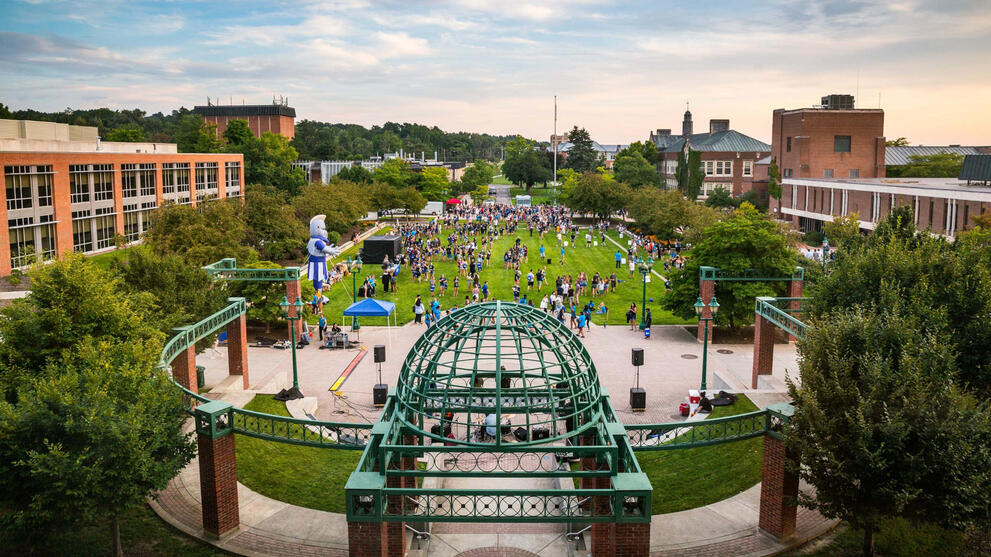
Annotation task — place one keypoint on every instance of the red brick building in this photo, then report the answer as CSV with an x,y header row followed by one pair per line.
x,y
65,190
276,118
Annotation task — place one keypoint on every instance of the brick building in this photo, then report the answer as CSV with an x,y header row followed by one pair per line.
x,y
66,190
728,156
277,117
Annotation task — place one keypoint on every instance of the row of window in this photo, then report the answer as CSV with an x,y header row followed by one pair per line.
x,y
841,144
725,168
826,173
28,186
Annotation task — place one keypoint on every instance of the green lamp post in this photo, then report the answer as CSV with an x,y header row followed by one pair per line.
x,y
699,311
298,306
645,268
354,267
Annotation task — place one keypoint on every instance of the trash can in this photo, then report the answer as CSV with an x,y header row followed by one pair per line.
x,y
200,377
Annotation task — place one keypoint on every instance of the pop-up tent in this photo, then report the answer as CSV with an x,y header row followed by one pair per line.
x,y
370,307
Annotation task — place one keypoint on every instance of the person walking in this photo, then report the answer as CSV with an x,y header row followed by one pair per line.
x,y
418,310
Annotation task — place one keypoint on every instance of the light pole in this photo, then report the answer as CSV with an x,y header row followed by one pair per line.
x,y
298,306
645,267
699,310
354,267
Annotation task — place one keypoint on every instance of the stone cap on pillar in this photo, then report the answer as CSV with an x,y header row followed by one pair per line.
x,y
633,491
213,419
777,417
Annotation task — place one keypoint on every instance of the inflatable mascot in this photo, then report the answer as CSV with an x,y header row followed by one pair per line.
x,y
319,247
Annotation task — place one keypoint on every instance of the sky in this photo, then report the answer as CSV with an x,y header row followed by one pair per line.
x,y
619,69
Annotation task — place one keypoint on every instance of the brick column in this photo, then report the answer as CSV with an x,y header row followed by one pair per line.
x,y
395,532
707,289
184,369
218,484
237,349
778,490
366,539
795,289
293,291
763,349
632,540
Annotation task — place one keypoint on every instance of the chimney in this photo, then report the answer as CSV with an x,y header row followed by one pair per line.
x,y
716,126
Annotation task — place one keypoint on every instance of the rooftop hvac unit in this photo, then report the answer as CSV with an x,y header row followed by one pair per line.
x,y
838,102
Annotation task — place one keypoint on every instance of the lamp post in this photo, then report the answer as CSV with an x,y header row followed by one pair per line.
x,y
699,310
298,306
354,267
645,267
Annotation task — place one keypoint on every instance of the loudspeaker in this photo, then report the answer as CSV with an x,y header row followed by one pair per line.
x,y
540,433
549,261
379,353
506,382
379,393
520,434
638,356
638,399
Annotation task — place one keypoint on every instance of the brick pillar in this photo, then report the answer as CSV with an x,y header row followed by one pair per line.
x,y
763,349
395,532
778,491
632,540
795,289
707,289
237,349
603,533
366,539
218,484
293,291
588,463
184,369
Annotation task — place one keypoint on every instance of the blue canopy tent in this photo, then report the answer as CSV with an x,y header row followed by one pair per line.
x,y
370,307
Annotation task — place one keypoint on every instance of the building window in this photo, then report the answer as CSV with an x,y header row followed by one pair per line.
x,y
103,182
104,231
855,173
147,175
708,165
82,236
748,168
18,192
206,176
827,173
787,173
841,143
724,168
28,186
31,243
78,187
131,231
932,210
788,146
233,178
128,180
175,177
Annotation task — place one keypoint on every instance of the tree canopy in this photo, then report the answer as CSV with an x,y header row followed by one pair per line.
x,y
524,165
937,165
480,173
582,156
632,168
690,174
597,194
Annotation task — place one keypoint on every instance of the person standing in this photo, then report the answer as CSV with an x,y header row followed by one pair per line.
x,y
321,325
619,258
418,310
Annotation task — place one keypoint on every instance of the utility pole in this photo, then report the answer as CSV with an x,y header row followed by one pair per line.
x,y
555,141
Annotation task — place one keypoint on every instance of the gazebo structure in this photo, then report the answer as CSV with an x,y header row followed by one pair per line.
x,y
501,391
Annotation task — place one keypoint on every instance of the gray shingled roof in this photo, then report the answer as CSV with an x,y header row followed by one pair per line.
x,y
727,141
896,156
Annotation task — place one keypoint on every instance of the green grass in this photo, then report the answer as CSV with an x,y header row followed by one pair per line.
x,y
309,477
689,478
500,280
104,259
537,195
898,537
141,531
501,180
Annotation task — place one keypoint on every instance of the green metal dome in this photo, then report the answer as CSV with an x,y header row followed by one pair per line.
x,y
506,360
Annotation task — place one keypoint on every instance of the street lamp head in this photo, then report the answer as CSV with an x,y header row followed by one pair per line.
x,y
713,306
284,307
298,304
699,306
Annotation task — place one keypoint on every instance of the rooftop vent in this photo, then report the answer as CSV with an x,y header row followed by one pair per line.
x,y
837,102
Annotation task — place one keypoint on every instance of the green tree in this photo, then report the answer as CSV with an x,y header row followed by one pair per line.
x,y
383,198
355,173
268,160
635,170
524,166
582,156
900,142
690,174
645,148
201,235
721,197
746,241
774,180
842,229
343,203
433,183
193,135
411,200
238,133
937,165
5,112
129,133
478,174
395,172
265,297
597,194
271,225
881,426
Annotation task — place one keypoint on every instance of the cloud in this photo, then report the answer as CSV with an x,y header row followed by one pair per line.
x,y
394,45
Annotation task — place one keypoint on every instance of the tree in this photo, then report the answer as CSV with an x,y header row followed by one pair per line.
x,y
881,426
842,229
645,148
382,197
720,198
774,180
746,241
271,224
268,161
343,203
635,170
597,194
524,165
411,201
200,235
5,112
480,173
129,133
689,173
582,156
900,142
355,173
433,183
395,172
264,297
193,135
937,165
238,133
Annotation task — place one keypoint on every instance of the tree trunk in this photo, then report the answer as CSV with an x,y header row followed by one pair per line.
x,y
869,541
115,529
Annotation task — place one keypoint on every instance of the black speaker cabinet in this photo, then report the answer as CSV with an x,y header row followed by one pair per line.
x,y
379,393
540,433
379,353
638,356
521,434
638,399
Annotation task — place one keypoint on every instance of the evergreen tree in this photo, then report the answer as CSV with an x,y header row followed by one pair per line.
x,y
582,156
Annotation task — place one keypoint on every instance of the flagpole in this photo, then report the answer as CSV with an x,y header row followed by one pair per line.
x,y
555,147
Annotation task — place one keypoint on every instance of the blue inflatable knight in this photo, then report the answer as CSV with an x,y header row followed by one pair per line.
x,y
319,247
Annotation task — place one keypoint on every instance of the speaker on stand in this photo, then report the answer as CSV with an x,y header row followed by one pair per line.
x,y
638,396
380,391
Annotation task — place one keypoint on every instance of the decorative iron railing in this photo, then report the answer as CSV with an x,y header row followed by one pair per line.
x,y
684,435
749,275
227,269
779,312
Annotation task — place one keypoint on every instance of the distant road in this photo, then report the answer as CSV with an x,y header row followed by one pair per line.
x,y
501,193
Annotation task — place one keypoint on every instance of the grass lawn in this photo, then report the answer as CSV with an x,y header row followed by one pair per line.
x,y
500,281
141,532
501,180
104,259
310,477
897,538
688,478
537,195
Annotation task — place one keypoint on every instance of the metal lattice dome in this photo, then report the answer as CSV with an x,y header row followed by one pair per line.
x,y
502,362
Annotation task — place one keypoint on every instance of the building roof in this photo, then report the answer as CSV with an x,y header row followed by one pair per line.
x,y
765,160
977,168
246,110
724,141
896,156
565,146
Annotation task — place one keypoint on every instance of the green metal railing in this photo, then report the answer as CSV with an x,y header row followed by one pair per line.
x,y
686,435
227,269
749,275
778,311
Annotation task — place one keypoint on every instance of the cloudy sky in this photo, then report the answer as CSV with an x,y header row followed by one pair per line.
x,y
619,69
